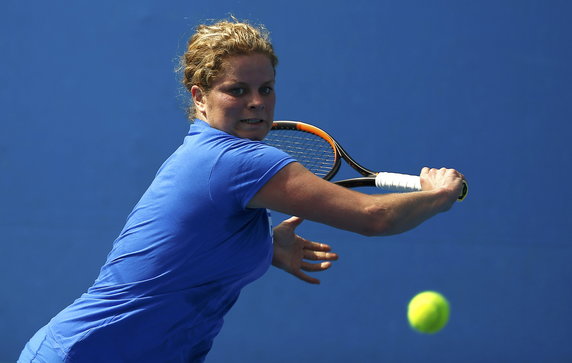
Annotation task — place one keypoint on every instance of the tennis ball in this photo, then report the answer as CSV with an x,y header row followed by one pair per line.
x,y
428,312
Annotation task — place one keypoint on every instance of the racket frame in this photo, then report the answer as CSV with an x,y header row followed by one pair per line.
x,y
368,178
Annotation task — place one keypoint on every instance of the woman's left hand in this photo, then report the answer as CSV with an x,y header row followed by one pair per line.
x,y
290,251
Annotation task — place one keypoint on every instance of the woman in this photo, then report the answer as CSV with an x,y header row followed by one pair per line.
x,y
201,231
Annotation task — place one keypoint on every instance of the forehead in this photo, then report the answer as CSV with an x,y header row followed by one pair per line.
x,y
247,67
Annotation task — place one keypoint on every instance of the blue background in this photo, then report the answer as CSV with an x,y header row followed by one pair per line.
x,y
90,106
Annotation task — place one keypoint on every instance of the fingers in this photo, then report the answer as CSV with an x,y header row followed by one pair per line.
x,y
315,267
309,279
313,251
318,251
315,246
435,178
325,257
311,267
293,221
320,256
426,171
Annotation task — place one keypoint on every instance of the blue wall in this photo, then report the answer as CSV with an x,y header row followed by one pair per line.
x,y
90,107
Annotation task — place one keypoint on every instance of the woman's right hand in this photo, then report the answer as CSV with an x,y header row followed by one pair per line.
x,y
449,180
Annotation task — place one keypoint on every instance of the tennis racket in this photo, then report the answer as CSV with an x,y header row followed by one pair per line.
x,y
322,154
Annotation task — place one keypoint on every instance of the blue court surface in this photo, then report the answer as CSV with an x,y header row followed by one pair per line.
x,y
90,107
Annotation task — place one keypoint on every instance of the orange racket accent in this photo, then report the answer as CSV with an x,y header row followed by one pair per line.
x,y
314,130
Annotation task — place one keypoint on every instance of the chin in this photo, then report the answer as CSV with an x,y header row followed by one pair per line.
x,y
257,134
254,137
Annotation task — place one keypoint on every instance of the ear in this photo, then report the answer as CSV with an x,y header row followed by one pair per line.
x,y
199,99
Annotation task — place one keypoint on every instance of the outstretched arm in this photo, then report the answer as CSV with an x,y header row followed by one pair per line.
x,y
296,191
291,251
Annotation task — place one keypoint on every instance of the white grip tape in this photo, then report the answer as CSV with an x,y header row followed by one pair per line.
x,y
397,182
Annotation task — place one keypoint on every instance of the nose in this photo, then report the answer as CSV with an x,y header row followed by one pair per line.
x,y
256,102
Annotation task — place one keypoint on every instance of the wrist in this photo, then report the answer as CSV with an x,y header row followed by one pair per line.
x,y
443,198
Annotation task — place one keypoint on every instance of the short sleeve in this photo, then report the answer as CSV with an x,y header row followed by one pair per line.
x,y
241,170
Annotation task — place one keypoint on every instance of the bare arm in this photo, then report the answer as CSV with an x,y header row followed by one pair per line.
x,y
296,191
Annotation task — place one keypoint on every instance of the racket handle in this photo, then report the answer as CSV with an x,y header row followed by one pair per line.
x,y
406,183
397,182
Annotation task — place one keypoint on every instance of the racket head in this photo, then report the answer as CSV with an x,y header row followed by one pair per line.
x,y
308,144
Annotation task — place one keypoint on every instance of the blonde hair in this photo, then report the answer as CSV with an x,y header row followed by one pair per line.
x,y
210,45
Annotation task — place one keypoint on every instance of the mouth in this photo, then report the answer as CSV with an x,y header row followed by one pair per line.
x,y
254,128
252,121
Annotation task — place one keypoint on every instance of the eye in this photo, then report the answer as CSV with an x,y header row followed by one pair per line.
x,y
237,91
266,90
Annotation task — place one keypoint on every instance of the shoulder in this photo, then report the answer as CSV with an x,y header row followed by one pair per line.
x,y
230,146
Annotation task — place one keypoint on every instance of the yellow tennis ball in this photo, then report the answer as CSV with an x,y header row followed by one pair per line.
x,y
428,312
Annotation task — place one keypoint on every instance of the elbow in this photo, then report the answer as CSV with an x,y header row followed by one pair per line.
x,y
377,222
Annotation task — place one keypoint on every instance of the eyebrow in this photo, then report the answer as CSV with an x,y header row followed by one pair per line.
x,y
245,83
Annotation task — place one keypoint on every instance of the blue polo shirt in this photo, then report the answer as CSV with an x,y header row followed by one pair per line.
x,y
188,248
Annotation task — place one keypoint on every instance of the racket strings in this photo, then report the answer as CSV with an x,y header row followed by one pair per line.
x,y
312,151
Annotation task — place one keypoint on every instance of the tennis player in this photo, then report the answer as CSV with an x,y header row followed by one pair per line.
x,y
202,231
